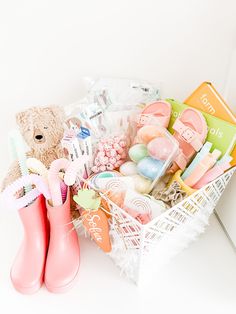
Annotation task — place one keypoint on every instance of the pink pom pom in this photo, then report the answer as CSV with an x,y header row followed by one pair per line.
x,y
116,146
112,160
101,154
122,143
110,167
95,169
108,153
116,139
124,155
97,161
110,142
119,163
104,160
107,147
113,153
120,151
118,157
103,140
100,147
102,168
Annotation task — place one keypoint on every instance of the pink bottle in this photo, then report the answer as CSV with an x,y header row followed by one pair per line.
x,y
28,269
63,258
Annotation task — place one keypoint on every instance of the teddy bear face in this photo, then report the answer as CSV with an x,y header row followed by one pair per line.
x,y
41,127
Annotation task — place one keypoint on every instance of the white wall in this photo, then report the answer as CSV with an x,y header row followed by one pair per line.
x,y
47,47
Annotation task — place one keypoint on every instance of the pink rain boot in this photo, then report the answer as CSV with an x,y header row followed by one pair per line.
x,y
63,258
28,269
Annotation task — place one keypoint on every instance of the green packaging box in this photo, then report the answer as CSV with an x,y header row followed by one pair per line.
x,y
221,134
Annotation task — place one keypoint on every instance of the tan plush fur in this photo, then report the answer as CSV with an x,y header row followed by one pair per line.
x,y
42,129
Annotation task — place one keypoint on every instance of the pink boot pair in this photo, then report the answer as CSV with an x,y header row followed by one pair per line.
x,y
53,259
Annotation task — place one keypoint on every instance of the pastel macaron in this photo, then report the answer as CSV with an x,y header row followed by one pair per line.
x,y
148,133
160,148
150,168
129,168
138,152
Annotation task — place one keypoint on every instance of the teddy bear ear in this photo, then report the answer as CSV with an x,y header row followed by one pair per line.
x,y
58,111
21,117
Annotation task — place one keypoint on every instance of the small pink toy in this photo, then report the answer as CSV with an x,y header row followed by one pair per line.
x,y
18,203
160,148
112,153
73,169
54,180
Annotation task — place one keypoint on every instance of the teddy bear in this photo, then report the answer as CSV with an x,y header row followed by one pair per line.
x,y
42,130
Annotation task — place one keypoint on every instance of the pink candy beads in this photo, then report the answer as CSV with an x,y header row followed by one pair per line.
x,y
112,152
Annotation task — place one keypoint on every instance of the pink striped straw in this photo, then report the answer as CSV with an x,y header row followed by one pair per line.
x,y
18,203
54,180
64,188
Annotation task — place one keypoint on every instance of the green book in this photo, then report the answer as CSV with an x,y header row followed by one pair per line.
x,y
221,134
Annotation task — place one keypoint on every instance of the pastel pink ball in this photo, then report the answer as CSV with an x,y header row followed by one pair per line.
x,y
103,160
148,133
112,160
102,168
120,151
113,152
95,169
160,148
110,166
101,154
122,143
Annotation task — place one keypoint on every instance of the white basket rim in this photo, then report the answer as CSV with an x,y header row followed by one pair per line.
x,y
166,213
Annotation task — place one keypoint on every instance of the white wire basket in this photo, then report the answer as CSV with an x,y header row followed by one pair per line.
x,y
138,250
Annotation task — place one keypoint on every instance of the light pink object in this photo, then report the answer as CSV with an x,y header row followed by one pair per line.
x,y
119,163
118,157
102,168
101,154
190,131
72,170
17,203
120,151
95,169
160,148
97,161
112,160
110,166
28,269
108,154
104,160
113,153
122,144
54,180
158,113
117,146
63,257
63,187
110,151
142,218
202,167
212,174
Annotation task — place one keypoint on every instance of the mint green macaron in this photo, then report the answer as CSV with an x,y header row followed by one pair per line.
x,y
138,152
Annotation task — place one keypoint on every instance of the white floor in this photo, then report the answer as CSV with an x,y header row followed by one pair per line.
x,y
202,279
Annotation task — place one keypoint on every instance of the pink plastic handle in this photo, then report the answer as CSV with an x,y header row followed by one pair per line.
x,y
71,172
64,188
54,180
18,203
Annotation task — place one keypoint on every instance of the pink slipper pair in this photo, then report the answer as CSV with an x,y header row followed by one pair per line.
x,y
190,129
50,249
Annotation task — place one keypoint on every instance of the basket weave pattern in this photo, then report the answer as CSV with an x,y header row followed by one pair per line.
x,y
140,249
